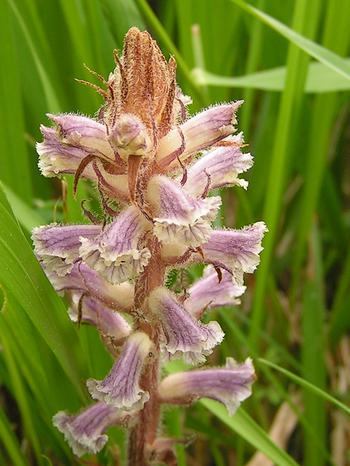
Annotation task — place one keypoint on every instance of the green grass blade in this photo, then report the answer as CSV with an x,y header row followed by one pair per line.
x,y
330,59
320,79
14,171
51,98
19,391
246,427
307,385
10,442
28,217
23,277
290,107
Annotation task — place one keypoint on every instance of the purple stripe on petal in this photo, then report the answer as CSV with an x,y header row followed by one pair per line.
x,y
86,280
121,387
179,217
208,292
115,253
199,132
95,312
237,250
84,432
218,168
230,385
57,246
185,336
84,133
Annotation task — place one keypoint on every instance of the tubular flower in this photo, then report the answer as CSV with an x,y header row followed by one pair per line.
x,y
236,250
185,336
121,387
85,431
212,291
115,252
178,216
57,247
230,385
158,165
93,311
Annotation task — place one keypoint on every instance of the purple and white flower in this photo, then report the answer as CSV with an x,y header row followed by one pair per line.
x,y
236,250
84,431
57,246
121,387
178,216
116,253
87,281
185,336
209,292
198,133
95,312
218,168
230,385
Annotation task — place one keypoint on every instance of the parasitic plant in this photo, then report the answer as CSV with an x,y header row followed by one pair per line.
x,y
159,167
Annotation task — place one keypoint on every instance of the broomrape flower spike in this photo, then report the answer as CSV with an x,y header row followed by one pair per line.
x,y
144,153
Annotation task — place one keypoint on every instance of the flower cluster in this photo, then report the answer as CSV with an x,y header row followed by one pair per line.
x,y
160,167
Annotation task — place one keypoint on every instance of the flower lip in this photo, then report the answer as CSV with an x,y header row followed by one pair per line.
x,y
85,431
179,217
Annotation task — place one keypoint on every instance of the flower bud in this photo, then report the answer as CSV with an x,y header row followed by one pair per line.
x,y
129,136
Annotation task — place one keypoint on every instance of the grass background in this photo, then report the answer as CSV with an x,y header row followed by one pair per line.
x,y
287,60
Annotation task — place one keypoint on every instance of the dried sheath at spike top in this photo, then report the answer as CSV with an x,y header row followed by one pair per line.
x,y
158,165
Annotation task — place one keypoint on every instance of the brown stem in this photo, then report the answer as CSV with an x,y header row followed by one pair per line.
x,y
143,433
145,430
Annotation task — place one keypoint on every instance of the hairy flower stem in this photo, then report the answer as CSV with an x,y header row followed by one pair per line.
x,y
145,430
